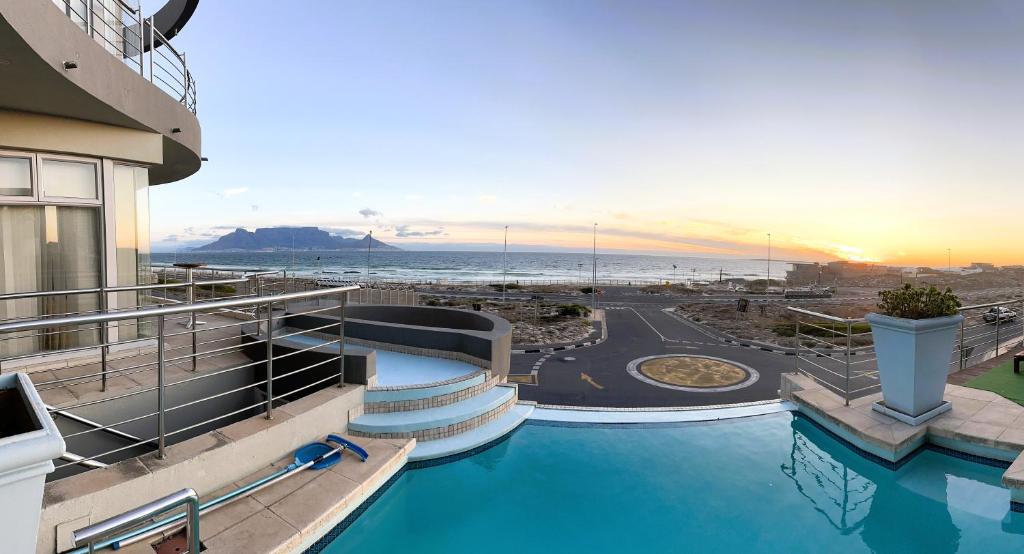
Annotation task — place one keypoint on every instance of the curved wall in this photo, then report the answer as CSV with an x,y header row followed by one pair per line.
x,y
480,335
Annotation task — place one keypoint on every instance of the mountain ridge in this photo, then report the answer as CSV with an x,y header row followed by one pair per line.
x,y
289,238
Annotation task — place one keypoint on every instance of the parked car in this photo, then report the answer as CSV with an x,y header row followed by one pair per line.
x,y
999,314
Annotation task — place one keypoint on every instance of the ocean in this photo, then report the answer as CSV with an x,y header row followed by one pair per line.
x,y
487,266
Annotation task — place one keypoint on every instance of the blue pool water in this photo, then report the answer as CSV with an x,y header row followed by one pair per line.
x,y
765,484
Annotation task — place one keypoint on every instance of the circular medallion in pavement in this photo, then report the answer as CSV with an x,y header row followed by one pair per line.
x,y
692,373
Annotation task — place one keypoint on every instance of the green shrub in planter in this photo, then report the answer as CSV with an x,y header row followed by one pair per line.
x,y
912,302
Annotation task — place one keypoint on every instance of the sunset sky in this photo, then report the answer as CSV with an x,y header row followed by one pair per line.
x,y
875,130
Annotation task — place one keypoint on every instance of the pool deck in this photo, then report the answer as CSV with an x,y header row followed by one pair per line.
x,y
981,423
291,515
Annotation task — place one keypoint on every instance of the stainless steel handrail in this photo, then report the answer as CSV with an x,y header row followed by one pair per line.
x,y
89,536
124,288
135,36
164,310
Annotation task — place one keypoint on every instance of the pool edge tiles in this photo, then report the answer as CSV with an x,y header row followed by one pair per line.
x,y
575,415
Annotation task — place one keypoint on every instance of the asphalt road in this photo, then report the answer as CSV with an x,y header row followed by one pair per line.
x,y
597,376
638,327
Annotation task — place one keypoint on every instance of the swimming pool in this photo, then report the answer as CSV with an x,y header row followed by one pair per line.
x,y
766,484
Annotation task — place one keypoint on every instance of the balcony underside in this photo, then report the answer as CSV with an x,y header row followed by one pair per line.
x,y
35,41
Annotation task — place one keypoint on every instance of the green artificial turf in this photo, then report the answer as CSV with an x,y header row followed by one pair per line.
x,y
1002,381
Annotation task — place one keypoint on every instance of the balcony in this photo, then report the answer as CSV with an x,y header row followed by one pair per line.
x,y
127,34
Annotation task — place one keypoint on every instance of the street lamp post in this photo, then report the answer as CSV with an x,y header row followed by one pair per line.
x,y
504,265
673,273
369,245
769,283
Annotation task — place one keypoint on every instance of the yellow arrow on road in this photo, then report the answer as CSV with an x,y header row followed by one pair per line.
x,y
589,379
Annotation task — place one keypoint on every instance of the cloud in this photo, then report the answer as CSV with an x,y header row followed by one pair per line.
x,y
356,194
344,231
487,199
403,231
228,193
368,213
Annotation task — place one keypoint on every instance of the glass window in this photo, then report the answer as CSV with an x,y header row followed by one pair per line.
x,y
49,248
15,176
131,239
68,179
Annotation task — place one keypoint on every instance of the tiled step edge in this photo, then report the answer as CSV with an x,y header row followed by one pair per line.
x,y
484,434
443,395
435,433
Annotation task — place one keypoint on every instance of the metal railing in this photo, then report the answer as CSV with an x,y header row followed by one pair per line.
x,y
834,351
981,339
192,380
126,33
839,352
189,286
98,532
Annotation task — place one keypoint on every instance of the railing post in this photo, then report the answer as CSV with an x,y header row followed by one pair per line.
x,y
796,363
142,43
104,334
341,339
998,314
849,340
270,360
192,526
90,27
962,347
152,47
190,277
161,430
184,76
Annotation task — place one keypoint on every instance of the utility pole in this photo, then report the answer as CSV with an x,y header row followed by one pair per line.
x,y
769,284
949,260
504,265
593,289
369,245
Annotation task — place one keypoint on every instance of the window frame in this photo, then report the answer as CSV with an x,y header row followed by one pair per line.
x,y
69,200
33,180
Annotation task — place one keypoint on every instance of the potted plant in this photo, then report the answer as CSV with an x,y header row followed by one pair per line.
x,y
914,336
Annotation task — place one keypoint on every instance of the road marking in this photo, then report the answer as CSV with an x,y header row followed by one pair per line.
x,y
663,339
589,379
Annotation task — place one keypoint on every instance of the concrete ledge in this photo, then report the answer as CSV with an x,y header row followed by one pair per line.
x,y
293,514
206,463
980,423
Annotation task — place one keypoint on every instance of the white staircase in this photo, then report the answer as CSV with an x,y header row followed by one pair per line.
x,y
445,418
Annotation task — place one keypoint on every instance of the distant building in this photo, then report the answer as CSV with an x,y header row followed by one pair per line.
x,y
804,274
846,269
983,266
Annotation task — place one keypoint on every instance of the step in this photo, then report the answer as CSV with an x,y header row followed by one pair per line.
x,y
431,418
429,450
399,394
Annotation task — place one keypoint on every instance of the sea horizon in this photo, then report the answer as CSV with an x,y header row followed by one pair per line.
x,y
441,265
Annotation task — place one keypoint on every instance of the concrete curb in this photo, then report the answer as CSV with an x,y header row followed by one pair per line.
x,y
541,349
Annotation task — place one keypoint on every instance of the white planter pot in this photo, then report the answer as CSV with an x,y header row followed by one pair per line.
x,y
28,446
913,360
